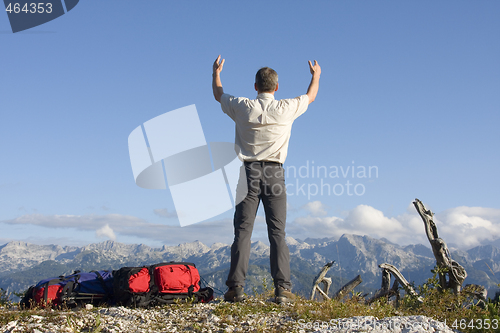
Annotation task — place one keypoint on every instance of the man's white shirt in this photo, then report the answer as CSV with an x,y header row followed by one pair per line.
x,y
263,125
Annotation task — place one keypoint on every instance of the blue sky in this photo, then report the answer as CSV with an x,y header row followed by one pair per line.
x,y
411,88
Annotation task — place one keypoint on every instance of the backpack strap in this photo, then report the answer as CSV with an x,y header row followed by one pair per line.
x,y
191,287
46,287
153,288
68,292
103,283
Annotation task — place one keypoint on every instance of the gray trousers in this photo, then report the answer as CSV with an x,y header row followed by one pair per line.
x,y
266,182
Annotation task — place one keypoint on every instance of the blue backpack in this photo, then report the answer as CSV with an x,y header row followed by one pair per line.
x,y
73,290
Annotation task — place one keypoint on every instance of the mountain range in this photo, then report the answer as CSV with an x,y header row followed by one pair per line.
x,y
24,264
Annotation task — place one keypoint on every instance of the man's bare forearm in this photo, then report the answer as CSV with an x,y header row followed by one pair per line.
x,y
312,91
217,86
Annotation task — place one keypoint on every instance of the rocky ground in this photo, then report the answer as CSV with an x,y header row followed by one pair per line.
x,y
216,316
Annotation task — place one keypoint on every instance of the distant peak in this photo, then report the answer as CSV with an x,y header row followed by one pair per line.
x,y
316,241
291,241
259,244
196,245
216,246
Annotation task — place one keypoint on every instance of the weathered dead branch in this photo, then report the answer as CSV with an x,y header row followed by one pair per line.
x,y
386,291
347,288
320,278
455,272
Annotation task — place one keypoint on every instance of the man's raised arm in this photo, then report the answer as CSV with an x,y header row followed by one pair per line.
x,y
312,91
216,83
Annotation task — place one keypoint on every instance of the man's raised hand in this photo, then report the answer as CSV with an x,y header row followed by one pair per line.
x,y
312,91
216,83
218,64
315,69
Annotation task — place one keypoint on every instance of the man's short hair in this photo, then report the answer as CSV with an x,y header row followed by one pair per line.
x,y
266,79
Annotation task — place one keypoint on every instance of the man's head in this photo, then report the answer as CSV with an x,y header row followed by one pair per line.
x,y
266,80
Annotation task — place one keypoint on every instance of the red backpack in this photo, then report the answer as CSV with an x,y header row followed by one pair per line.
x,y
159,284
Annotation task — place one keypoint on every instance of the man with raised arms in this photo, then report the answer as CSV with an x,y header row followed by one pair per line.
x,y
263,126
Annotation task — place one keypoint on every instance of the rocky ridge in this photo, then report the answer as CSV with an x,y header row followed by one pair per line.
x,y
23,264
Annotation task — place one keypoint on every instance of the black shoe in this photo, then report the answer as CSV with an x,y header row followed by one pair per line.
x,y
283,296
235,294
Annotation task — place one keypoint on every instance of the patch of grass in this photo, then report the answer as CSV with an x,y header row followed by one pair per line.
x,y
259,314
332,309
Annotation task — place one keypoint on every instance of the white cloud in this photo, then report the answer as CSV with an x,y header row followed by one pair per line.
x,y
469,226
82,222
464,226
362,220
105,231
316,208
315,227
124,225
371,220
